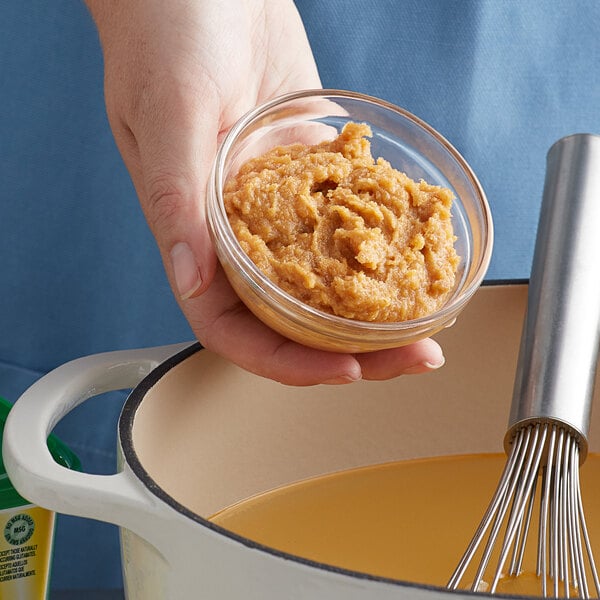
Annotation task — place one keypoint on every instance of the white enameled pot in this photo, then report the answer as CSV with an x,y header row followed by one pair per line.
x,y
198,434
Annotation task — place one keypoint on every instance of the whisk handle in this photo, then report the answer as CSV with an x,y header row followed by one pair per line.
x,y
559,345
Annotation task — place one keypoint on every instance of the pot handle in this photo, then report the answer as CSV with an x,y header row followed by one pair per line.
x,y
31,468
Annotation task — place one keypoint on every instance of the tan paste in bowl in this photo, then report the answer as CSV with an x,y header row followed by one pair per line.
x,y
343,232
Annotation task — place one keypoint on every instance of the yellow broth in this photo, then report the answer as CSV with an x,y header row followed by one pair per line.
x,y
408,520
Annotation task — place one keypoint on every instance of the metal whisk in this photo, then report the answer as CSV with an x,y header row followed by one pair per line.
x,y
550,414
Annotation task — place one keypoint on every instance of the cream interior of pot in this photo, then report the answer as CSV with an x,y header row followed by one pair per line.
x,y
210,434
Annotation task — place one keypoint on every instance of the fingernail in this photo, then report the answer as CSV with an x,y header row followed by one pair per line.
x,y
341,380
185,270
424,367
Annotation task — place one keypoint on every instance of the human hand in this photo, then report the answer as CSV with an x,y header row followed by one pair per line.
x,y
178,75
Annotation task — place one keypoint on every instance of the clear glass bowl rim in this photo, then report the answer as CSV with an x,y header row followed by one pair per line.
x,y
219,221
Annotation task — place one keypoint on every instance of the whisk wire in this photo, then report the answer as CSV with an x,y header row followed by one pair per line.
x,y
499,496
577,549
523,532
586,537
502,510
497,517
559,554
533,453
541,569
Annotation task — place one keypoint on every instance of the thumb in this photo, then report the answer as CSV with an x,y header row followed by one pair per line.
x,y
176,144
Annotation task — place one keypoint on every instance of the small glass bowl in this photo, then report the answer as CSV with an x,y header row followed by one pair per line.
x,y
411,146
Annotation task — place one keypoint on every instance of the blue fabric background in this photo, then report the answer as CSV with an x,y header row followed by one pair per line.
x,y
80,274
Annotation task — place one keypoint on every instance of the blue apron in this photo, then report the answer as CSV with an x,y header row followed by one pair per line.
x,y
80,273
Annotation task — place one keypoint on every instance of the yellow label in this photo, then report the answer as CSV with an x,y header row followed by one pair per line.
x,y
26,534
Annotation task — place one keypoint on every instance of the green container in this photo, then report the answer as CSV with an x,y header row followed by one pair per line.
x,y
26,530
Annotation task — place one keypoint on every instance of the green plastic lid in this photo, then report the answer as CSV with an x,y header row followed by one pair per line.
x,y
9,497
